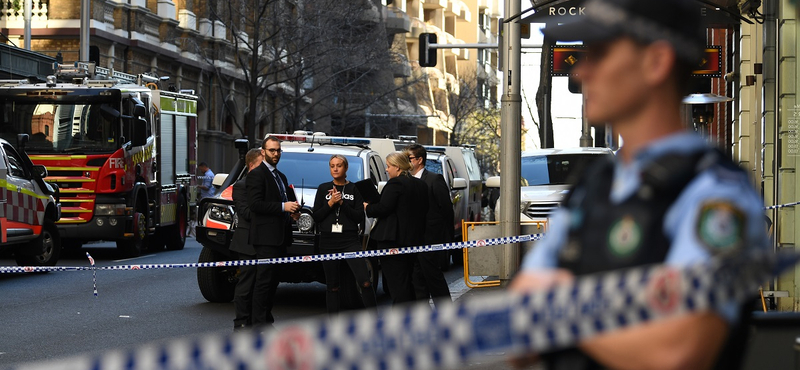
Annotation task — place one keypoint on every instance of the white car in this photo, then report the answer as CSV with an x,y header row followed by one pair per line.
x,y
546,176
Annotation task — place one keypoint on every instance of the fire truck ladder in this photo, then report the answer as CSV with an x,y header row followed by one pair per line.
x,y
93,72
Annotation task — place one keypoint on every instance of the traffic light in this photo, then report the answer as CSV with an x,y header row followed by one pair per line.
x,y
427,55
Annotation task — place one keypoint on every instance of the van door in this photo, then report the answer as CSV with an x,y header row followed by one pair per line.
x,y
24,210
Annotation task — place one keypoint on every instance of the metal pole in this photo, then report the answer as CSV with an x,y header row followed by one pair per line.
x,y
84,40
510,119
586,135
27,21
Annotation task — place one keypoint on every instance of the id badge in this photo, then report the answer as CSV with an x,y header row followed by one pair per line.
x,y
336,228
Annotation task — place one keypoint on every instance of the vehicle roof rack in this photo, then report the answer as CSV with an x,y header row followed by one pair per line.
x,y
322,139
92,72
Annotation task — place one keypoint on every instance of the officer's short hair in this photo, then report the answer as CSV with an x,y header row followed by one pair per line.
x,y
252,156
416,150
269,138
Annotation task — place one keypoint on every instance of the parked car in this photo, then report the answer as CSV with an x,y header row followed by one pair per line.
x,y
546,176
305,163
469,198
29,210
444,165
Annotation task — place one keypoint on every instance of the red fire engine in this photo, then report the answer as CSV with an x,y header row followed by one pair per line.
x,y
121,150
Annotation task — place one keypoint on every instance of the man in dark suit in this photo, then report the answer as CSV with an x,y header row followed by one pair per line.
x,y
272,207
241,248
428,277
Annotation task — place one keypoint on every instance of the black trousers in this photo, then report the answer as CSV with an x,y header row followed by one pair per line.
x,y
397,271
266,284
359,269
243,294
429,279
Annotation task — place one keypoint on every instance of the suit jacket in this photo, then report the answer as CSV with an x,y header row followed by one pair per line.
x,y
269,224
401,212
439,227
241,237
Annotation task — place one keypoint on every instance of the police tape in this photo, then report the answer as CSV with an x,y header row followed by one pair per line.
x,y
782,205
419,337
283,260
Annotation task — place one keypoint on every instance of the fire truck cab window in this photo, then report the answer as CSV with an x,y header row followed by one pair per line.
x,y
62,127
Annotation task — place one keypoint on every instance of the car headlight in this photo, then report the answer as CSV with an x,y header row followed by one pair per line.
x,y
109,209
305,223
220,213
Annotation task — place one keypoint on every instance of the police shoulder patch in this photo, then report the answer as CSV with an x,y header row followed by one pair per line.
x,y
720,226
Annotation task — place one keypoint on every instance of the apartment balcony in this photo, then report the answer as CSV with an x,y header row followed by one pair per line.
x,y
459,9
486,37
400,66
434,4
11,17
397,21
417,27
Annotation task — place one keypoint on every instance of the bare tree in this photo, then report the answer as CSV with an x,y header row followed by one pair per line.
x,y
301,60
475,122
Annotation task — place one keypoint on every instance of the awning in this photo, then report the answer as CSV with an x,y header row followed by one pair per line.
x,y
715,13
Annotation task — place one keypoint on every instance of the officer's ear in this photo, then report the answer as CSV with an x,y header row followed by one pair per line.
x,y
659,60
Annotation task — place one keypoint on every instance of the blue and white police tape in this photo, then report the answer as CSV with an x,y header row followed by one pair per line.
x,y
417,337
782,205
284,260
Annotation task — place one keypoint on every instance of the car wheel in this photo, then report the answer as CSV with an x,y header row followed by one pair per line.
x,y
134,246
217,284
46,249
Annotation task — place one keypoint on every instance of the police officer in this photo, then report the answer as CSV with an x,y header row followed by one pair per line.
x,y
667,197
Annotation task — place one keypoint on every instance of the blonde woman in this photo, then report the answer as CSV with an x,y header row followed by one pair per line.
x,y
401,222
338,214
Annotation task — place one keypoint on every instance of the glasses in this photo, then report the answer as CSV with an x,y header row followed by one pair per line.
x,y
412,157
274,150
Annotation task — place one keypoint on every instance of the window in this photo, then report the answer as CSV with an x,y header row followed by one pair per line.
x,y
15,163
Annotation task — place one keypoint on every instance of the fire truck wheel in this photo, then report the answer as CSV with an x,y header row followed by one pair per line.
x,y
175,235
216,283
47,247
133,247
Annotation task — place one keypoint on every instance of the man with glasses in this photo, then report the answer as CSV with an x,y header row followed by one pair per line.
x,y
428,277
273,205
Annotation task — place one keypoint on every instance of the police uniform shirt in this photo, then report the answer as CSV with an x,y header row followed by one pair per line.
x,y
717,206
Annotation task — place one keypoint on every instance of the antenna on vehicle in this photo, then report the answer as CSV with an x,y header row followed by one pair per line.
x,y
311,148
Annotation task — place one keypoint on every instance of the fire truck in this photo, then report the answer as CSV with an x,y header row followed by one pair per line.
x,y
121,150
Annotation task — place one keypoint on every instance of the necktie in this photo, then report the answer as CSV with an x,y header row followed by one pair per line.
x,y
280,185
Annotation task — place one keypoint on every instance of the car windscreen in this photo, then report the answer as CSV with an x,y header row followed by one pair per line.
x,y
311,169
556,169
433,166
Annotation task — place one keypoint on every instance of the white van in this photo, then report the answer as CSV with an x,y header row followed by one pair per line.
x,y
466,167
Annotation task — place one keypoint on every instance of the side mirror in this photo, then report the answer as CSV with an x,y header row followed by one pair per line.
x,y
493,182
139,132
219,179
242,145
139,110
39,170
459,183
